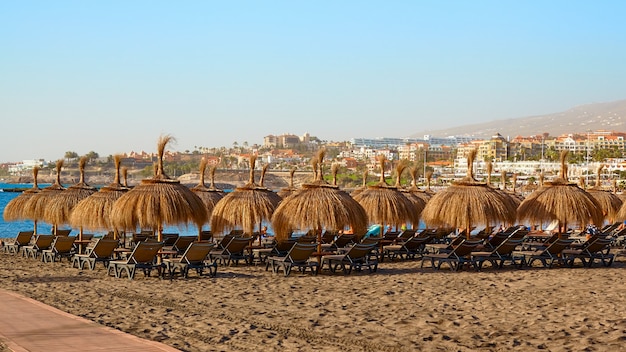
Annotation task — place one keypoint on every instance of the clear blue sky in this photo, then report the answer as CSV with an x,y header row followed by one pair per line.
x,y
111,76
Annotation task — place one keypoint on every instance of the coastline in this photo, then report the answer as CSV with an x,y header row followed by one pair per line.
x,y
399,308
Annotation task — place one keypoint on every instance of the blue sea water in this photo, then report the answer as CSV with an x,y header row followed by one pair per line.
x,y
9,229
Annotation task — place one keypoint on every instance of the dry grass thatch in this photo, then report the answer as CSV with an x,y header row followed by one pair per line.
x,y
157,202
94,212
209,195
467,203
287,191
562,201
61,204
35,207
418,202
246,207
14,210
386,205
416,191
318,206
363,185
610,204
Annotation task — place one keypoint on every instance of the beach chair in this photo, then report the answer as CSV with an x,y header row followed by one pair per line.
x,y
22,239
63,232
409,249
279,249
102,251
307,239
405,235
61,247
206,235
495,240
142,257
456,258
356,258
169,239
548,255
329,236
195,257
299,256
235,250
391,235
182,242
41,243
443,247
341,241
595,248
499,255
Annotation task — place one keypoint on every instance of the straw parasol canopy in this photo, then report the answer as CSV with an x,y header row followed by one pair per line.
x,y
562,201
287,191
36,205
209,195
414,197
385,205
609,202
363,185
468,202
318,205
61,204
508,196
245,207
158,201
14,209
514,196
94,212
418,192
429,176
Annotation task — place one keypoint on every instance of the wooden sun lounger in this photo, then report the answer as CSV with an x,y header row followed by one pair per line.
x,y
299,256
61,247
356,258
195,257
142,257
102,251
22,239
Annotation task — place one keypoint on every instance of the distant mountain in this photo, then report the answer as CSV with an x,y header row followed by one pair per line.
x,y
609,116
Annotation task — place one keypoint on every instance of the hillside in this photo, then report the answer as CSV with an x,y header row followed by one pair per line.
x,y
609,116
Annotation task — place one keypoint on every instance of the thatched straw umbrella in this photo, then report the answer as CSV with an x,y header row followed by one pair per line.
x,y
36,205
385,205
158,201
418,192
562,201
210,195
94,212
429,176
609,202
245,207
14,209
287,191
510,197
363,185
514,196
468,202
61,204
418,202
318,205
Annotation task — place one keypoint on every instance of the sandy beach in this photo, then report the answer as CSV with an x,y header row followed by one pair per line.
x,y
399,308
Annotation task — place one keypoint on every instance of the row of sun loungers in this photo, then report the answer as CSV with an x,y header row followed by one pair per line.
x,y
341,253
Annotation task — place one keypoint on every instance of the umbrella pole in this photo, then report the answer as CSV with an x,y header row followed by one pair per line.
x,y
319,245
35,227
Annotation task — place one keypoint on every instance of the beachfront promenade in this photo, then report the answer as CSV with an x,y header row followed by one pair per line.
x,y
29,325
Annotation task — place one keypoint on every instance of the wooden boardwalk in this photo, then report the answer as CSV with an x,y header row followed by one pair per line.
x,y
29,325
